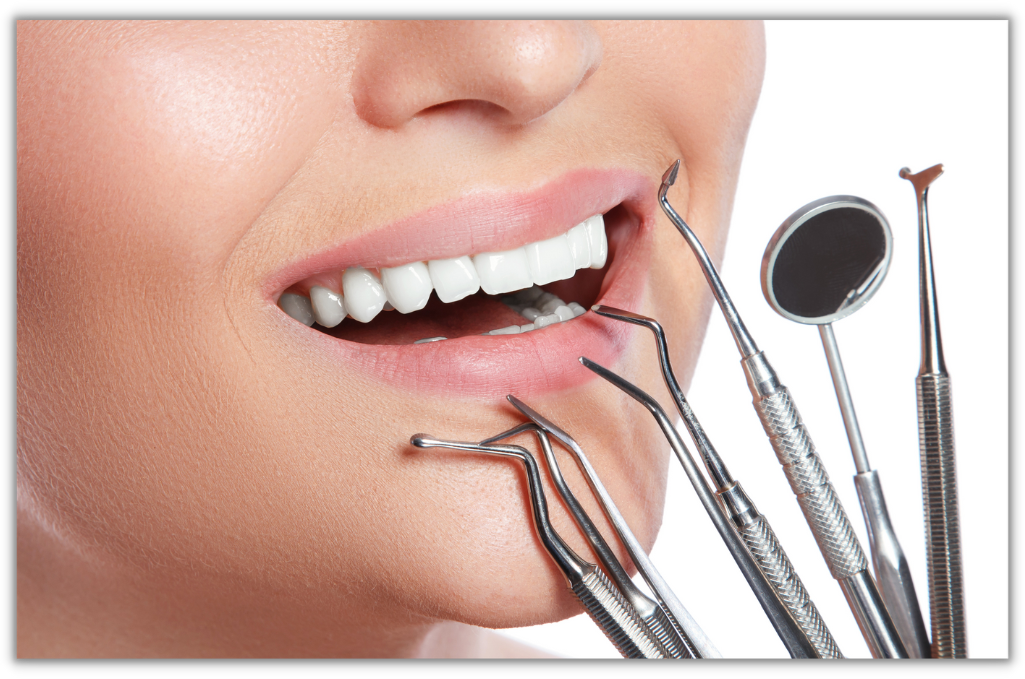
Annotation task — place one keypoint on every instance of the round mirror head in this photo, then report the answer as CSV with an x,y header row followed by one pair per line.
x,y
826,260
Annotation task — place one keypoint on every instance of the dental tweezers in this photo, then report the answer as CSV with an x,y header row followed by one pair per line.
x,y
752,526
673,640
600,598
796,453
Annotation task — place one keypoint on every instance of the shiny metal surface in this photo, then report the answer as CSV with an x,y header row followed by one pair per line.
x,y
809,217
936,445
843,397
891,567
788,437
672,605
600,598
932,344
673,643
752,526
793,636
812,224
745,343
863,596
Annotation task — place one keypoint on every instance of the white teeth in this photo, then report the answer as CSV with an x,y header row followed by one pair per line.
x,y
579,246
429,339
364,296
564,313
453,279
298,307
543,321
550,260
503,271
408,287
597,240
530,313
328,306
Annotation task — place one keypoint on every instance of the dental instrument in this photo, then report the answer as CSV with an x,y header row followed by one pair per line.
x,y
791,633
796,453
936,445
752,526
824,263
673,607
600,598
648,610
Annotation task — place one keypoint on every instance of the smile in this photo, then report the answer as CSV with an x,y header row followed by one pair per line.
x,y
487,319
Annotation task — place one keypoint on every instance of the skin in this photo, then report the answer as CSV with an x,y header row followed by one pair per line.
x,y
193,479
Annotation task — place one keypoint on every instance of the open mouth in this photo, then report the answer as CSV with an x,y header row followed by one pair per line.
x,y
523,290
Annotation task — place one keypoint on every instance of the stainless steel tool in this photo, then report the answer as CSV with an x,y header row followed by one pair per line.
x,y
824,263
752,526
600,598
674,642
790,632
796,453
674,609
936,444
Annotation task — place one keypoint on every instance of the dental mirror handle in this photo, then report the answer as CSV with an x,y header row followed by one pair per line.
x,y
821,507
891,566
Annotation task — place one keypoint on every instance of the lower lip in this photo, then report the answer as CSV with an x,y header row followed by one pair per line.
x,y
528,364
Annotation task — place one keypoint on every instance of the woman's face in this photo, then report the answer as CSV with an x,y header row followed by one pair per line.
x,y
175,179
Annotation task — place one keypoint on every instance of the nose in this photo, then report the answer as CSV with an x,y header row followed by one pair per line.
x,y
518,70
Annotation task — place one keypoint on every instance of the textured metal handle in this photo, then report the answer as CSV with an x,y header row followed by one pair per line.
x,y
810,483
942,526
759,537
615,617
676,643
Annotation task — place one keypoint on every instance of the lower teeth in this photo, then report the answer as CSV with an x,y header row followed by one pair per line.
x,y
537,306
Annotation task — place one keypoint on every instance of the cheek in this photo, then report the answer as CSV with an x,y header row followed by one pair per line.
x,y
165,142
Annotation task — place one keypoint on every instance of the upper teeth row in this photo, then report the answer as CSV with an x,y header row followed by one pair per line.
x,y
408,287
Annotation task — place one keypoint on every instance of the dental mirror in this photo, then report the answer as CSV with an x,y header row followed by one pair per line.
x,y
826,260
823,264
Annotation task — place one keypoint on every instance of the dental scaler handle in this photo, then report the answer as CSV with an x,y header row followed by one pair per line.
x,y
936,445
804,470
821,506
600,598
753,527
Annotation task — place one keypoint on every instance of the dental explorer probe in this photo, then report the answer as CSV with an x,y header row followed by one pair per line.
x,y
936,445
675,610
649,611
753,527
824,263
801,464
792,634
602,601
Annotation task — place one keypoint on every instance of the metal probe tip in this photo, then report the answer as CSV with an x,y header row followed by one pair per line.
x,y
669,178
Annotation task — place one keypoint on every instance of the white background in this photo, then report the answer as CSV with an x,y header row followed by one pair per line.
x,y
844,106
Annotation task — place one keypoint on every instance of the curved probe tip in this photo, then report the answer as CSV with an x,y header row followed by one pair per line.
x,y
669,178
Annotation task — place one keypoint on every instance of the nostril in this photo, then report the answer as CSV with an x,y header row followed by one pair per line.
x,y
511,71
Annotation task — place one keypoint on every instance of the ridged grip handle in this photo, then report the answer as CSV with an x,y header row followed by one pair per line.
x,y
615,617
942,526
810,482
761,540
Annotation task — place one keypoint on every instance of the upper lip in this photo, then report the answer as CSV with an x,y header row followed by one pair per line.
x,y
481,221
